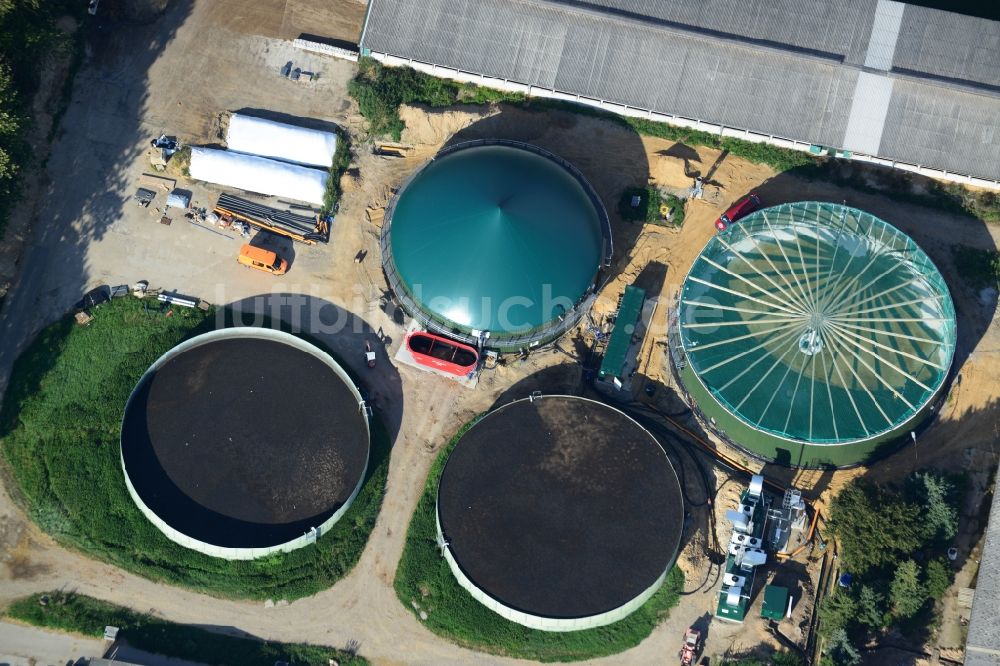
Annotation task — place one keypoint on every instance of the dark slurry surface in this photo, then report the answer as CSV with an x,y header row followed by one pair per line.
x,y
560,507
244,442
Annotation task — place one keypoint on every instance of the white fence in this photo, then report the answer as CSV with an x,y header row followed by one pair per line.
x,y
325,49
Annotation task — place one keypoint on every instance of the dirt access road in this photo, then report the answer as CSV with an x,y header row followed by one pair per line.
x,y
202,59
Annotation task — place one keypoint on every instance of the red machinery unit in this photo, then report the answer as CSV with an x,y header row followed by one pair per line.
x,y
441,353
691,647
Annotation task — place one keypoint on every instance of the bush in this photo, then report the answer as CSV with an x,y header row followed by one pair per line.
x,y
652,205
840,651
341,161
676,207
27,36
179,163
907,592
937,495
938,578
648,208
786,659
60,425
379,92
884,532
837,612
424,582
871,609
85,615
874,525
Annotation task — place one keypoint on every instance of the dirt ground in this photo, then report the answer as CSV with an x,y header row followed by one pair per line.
x,y
199,60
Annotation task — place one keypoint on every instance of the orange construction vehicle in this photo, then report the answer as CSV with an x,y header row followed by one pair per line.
x,y
262,260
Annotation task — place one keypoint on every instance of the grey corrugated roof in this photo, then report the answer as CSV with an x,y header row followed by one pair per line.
x,y
963,48
948,129
836,28
983,642
782,67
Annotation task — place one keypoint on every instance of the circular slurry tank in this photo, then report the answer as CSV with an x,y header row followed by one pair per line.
x,y
814,334
237,443
496,239
559,513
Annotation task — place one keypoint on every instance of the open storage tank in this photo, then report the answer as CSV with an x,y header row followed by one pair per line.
x,y
559,513
812,333
244,442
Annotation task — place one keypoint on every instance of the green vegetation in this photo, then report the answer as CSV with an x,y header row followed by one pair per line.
x,y
424,582
939,577
981,268
179,163
380,91
779,159
85,615
907,593
840,651
892,539
871,609
341,160
652,206
60,427
675,205
648,208
28,35
776,659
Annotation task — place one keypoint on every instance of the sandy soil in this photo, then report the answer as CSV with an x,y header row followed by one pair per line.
x,y
223,57
964,437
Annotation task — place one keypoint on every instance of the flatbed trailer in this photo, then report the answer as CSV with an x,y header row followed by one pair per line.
x,y
302,228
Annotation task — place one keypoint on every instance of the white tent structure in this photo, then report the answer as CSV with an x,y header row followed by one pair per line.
x,y
258,174
257,136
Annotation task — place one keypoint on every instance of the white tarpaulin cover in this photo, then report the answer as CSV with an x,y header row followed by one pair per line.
x,y
256,136
258,174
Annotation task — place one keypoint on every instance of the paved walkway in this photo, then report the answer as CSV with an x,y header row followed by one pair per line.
x,y
20,644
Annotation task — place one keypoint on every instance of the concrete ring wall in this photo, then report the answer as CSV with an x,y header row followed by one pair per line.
x,y
550,623
306,539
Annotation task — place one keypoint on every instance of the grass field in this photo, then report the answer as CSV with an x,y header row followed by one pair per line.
x,y
85,615
423,578
60,426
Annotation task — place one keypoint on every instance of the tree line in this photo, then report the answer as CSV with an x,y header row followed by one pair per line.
x,y
28,34
893,543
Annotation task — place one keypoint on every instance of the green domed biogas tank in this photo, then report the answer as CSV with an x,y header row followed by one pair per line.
x,y
814,334
497,238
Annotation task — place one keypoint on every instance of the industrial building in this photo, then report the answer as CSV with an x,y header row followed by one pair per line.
x,y
871,80
813,334
244,442
496,244
559,513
